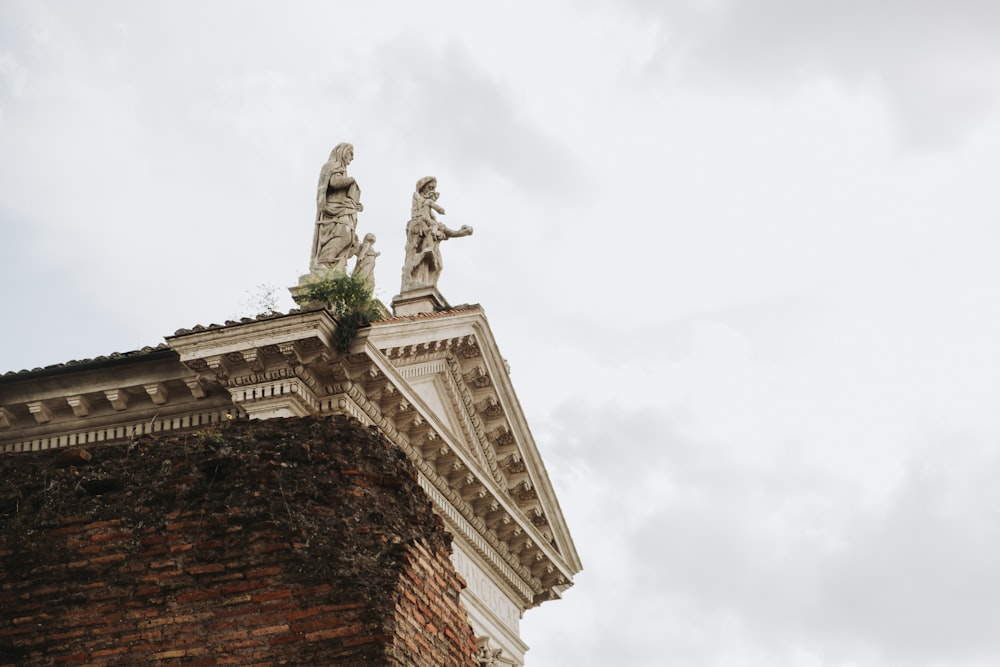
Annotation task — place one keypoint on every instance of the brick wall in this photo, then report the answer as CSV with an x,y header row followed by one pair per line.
x,y
296,541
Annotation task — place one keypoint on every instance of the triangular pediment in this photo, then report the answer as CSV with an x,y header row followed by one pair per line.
x,y
451,361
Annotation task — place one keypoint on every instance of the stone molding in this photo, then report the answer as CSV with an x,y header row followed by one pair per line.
x,y
91,402
125,430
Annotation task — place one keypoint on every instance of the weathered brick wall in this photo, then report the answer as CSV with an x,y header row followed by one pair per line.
x,y
298,541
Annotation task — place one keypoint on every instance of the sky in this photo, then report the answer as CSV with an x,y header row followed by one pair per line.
x,y
740,256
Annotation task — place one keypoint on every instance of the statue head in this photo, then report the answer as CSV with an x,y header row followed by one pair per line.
x,y
342,153
427,183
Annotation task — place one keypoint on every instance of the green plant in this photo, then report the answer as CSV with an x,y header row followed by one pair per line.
x,y
212,437
349,299
263,302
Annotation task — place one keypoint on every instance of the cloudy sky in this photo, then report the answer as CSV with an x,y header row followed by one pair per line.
x,y
741,257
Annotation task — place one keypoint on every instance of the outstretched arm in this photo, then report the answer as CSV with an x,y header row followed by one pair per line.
x,y
464,230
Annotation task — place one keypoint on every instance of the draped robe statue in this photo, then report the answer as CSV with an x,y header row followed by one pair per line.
x,y
338,201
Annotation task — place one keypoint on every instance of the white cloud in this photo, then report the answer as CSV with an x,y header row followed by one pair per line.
x,y
935,63
736,557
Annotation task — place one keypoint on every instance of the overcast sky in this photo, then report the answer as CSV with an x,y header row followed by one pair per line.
x,y
742,258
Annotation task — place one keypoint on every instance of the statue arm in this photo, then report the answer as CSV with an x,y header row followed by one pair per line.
x,y
464,230
340,181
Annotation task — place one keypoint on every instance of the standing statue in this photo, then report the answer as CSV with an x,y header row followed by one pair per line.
x,y
364,269
422,266
338,201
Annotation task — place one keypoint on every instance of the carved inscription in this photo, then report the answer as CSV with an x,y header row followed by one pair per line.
x,y
480,585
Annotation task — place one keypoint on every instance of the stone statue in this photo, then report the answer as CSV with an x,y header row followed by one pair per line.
x,y
365,267
485,655
338,201
422,266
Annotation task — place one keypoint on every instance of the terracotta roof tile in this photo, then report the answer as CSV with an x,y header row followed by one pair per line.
x,y
77,363
465,307
230,323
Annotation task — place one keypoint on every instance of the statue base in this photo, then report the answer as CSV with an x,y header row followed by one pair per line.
x,y
418,301
316,275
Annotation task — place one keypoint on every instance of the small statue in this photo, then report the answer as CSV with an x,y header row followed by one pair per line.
x,y
365,266
422,266
485,655
338,201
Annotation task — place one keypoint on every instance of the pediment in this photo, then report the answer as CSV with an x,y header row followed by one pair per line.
x,y
452,363
432,386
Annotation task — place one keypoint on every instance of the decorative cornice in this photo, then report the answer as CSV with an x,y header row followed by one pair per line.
x,y
125,430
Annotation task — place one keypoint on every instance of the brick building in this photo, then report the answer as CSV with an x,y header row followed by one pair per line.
x,y
289,541
148,515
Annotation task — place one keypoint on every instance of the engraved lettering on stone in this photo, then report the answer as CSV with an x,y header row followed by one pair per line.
x,y
485,590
